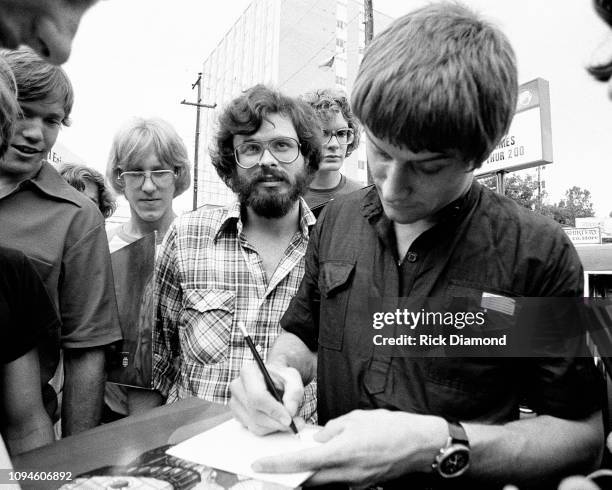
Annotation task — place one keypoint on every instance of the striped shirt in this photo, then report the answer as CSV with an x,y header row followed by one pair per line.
x,y
208,278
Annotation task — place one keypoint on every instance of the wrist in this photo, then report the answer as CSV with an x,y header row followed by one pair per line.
x,y
453,459
435,436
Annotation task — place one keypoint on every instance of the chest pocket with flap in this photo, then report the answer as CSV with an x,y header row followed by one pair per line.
x,y
206,324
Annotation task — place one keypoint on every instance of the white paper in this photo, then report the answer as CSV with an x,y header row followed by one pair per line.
x,y
231,447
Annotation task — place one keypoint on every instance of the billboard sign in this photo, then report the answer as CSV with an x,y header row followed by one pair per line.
x,y
528,142
583,236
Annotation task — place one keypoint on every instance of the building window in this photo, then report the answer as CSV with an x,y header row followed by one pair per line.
x,y
340,24
341,81
360,164
340,43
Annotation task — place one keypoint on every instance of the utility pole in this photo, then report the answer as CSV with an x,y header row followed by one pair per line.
x,y
368,20
199,105
539,190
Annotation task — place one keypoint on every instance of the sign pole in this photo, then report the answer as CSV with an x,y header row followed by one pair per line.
x,y
499,182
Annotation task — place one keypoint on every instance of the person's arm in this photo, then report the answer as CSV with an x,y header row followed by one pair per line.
x,y
365,447
83,393
26,424
89,320
142,400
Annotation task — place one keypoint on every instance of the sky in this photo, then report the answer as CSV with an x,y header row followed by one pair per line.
x,y
141,57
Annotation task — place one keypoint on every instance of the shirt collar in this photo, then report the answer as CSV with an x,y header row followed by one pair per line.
x,y
50,182
371,207
232,220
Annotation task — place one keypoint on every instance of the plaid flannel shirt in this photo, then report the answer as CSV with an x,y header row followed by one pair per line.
x,y
207,279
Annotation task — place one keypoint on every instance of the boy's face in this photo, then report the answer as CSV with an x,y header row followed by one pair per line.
x,y
333,151
47,26
414,186
35,134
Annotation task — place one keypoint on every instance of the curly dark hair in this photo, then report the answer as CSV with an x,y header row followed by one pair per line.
x,y
78,175
245,114
325,102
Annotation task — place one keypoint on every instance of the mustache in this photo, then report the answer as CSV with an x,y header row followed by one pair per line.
x,y
263,175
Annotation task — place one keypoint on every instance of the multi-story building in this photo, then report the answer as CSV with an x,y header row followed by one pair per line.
x,y
294,45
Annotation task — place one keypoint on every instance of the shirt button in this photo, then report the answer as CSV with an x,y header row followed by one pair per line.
x,y
412,257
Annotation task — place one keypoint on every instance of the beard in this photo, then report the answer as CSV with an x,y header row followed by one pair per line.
x,y
266,202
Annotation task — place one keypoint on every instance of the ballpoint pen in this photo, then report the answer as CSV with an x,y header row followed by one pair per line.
x,y
269,383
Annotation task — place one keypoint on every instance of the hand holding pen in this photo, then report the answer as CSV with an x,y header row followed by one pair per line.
x,y
264,371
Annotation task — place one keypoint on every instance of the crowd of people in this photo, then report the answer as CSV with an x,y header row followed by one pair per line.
x,y
296,260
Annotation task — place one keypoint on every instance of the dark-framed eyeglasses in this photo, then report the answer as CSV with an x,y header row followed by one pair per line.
x,y
136,178
250,153
344,136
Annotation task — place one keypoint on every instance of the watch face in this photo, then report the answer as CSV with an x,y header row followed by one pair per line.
x,y
455,461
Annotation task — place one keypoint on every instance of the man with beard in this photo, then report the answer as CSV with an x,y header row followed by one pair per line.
x,y
243,263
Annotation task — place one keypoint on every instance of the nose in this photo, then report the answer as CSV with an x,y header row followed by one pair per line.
x,y
395,184
33,132
148,185
267,159
53,36
333,142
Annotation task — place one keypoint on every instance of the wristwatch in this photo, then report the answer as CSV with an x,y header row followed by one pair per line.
x,y
454,458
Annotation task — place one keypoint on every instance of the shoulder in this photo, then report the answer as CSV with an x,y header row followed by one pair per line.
x,y
345,210
529,242
202,218
507,216
351,185
198,228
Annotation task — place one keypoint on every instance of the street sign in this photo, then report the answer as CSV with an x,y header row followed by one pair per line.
x,y
528,142
582,236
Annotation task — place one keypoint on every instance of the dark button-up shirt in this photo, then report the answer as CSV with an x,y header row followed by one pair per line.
x,y
482,243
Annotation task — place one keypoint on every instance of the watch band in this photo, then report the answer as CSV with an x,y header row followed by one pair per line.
x,y
453,460
457,433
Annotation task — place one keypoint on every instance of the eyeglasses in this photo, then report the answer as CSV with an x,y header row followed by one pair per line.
x,y
284,150
344,136
136,178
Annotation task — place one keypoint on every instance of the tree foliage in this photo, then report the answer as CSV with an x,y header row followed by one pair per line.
x,y
524,190
521,188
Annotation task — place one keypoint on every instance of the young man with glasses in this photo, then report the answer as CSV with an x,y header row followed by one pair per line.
x,y
242,263
148,164
62,232
340,138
